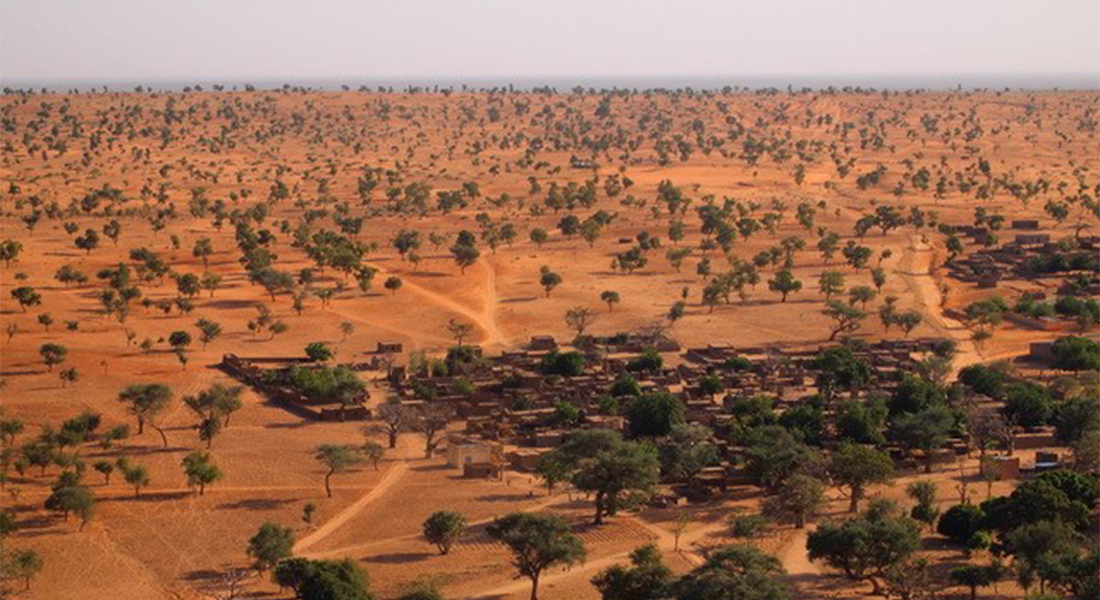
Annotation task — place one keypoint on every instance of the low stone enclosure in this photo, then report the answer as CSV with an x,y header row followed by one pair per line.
x,y
254,372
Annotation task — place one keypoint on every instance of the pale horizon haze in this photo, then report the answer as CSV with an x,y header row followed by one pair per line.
x,y
240,40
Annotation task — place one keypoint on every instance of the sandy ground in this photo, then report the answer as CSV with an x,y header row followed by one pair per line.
x,y
171,543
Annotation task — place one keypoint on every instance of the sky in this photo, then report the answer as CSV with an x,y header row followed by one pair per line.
x,y
241,40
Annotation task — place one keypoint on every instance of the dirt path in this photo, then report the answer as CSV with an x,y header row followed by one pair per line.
x,y
346,550
390,479
485,319
916,269
665,542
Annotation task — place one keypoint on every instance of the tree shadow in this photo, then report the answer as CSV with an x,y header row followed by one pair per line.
x,y
258,503
398,558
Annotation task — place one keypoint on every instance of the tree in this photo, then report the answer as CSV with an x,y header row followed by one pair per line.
x,y
396,417
610,298
87,242
537,542
855,467
53,354
908,321
443,529
430,419
554,468
736,572
9,251
654,415
338,458
539,236
318,352
830,283
146,401
465,255
21,564
200,470
580,318
322,579
203,250
773,455
271,544
646,579
867,546
976,576
960,523
1027,404
208,330
73,498
925,510
925,431
393,284
548,279
26,296
459,330
797,498
687,451
105,468
846,318
137,476
784,283
1070,353
613,470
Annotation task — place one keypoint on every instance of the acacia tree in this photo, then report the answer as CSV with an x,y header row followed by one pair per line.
x,y
443,529
610,298
580,318
53,354
200,470
797,498
548,279
338,458
537,542
269,545
784,284
866,547
147,401
855,466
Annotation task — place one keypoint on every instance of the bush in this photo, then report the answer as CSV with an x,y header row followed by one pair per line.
x,y
960,523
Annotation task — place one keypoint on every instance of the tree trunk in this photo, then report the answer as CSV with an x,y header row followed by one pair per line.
x,y
857,495
535,587
163,437
328,489
393,439
599,509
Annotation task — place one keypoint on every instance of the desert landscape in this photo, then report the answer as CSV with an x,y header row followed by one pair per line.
x,y
447,342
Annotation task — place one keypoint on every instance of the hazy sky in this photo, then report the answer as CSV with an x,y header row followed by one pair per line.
x,y
133,40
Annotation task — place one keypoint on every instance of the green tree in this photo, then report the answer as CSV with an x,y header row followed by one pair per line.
x,y
784,284
647,577
443,529
797,498
537,542
855,467
200,470
338,458
53,354
654,415
737,572
271,544
867,546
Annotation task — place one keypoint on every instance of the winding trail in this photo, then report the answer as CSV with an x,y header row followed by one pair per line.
x,y
484,319
916,269
665,542
345,550
392,476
